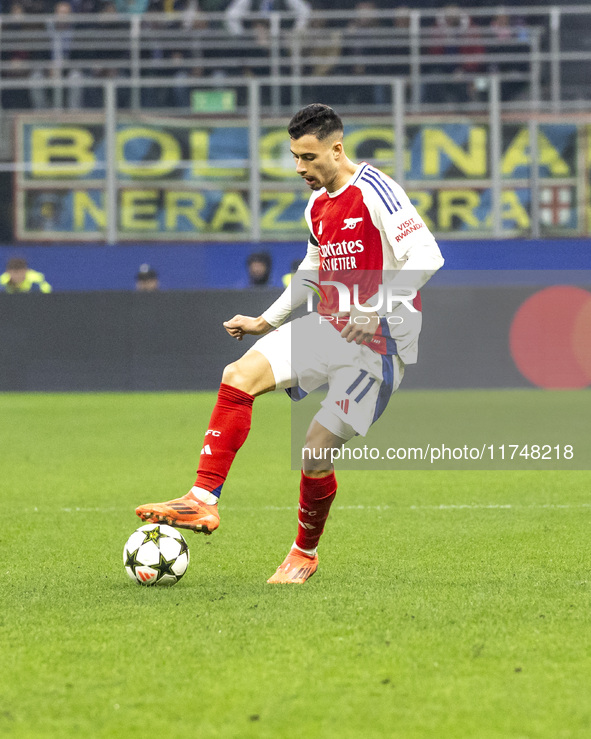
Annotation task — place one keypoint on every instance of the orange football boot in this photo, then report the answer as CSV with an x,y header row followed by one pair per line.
x,y
182,513
296,568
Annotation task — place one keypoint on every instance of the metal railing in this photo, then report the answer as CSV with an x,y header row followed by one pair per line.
x,y
256,174
531,51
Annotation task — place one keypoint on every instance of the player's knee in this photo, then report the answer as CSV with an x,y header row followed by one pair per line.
x,y
233,375
240,376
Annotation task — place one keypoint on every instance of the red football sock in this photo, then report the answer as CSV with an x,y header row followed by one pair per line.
x,y
227,432
316,496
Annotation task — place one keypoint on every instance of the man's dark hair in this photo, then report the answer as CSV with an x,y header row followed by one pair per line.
x,y
17,263
260,256
316,119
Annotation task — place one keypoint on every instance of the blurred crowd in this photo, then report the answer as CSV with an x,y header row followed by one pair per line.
x,y
209,6
332,48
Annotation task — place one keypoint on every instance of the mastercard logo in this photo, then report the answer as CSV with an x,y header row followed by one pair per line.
x,y
550,338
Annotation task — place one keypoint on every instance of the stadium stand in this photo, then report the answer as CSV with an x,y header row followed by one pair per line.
x,y
444,53
491,76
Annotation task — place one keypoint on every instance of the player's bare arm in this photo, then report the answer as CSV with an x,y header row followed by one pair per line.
x,y
240,325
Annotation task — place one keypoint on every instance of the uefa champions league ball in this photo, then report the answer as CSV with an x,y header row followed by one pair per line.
x,y
156,554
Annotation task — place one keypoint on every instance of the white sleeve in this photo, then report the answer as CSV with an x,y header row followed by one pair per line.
x,y
412,244
416,255
421,263
394,215
297,291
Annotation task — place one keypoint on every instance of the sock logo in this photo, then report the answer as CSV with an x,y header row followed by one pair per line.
x,y
304,525
206,449
308,513
211,432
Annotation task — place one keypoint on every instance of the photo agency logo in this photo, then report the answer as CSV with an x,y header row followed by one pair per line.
x,y
385,300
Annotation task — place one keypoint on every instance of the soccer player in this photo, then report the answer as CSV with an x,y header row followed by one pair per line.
x,y
369,253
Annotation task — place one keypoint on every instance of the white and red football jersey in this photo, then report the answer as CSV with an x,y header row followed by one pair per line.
x,y
367,236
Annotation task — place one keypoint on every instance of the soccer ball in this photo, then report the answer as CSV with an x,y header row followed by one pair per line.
x,y
156,554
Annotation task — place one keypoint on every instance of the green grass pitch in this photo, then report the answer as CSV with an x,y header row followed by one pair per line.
x,y
447,604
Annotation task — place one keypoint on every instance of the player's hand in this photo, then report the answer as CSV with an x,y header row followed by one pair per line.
x,y
361,326
240,325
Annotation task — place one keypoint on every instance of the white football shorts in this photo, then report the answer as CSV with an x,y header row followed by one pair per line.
x,y
309,352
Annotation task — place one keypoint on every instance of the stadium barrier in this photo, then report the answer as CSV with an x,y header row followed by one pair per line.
x,y
221,266
84,177
175,341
